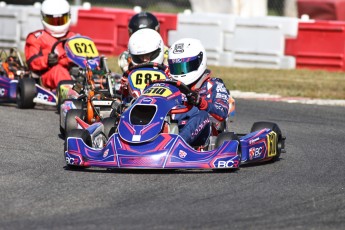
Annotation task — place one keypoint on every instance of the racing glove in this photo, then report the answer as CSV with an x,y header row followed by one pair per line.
x,y
52,59
193,98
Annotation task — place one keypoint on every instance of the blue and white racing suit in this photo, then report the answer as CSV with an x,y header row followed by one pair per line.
x,y
194,125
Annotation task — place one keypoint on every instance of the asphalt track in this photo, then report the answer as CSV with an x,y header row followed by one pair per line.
x,y
304,190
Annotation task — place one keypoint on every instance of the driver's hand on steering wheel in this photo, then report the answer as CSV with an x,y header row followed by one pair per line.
x,y
193,98
52,59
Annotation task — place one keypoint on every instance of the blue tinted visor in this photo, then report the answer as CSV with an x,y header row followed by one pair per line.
x,y
184,65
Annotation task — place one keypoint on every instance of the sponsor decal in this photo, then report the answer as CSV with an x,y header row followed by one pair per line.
x,y
44,97
182,154
2,92
105,154
201,126
220,88
254,140
255,153
178,48
225,164
72,161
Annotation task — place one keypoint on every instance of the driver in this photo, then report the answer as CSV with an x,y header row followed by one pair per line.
x,y
52,68
142,20
187,63
144,46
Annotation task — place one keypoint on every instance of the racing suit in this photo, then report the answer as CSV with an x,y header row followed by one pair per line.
x,y
194,125
37,47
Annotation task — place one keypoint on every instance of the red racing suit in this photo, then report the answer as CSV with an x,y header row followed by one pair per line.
x,y
38,46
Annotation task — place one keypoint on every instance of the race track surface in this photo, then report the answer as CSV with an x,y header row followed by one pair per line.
x,y
304,190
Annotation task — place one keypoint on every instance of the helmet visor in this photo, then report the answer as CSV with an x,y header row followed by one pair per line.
x,y
143,58
184,65
56,20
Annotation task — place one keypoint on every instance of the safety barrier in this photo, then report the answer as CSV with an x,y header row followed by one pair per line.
x,y
259,42
319,45
16,22
322,9
238,41
108,27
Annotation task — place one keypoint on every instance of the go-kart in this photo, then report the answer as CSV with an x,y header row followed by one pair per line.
x,y
95,104
147,138
18,84
94,85
21,86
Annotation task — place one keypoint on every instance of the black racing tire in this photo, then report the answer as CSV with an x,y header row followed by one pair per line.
x,y
58,94
229,136
226,136
110,126
274,127
70,122
26,92
78,133
79,104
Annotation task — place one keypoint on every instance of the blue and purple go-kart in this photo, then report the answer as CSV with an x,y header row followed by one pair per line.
x,y
147,138
18,84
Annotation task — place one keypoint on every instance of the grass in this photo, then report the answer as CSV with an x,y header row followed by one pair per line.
x,y
290,83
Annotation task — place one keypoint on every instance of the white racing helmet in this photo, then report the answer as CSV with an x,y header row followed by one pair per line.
x,y
187,60
146,45
56,17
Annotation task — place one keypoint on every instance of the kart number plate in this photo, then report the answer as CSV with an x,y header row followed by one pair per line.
x,y
83,47
272,144
141,78
158,91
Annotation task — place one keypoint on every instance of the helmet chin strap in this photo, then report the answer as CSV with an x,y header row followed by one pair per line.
x,y
198,83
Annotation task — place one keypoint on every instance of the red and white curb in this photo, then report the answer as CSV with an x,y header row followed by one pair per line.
x,y
270,97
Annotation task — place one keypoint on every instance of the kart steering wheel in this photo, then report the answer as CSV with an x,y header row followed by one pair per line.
x,y
184,89
57,43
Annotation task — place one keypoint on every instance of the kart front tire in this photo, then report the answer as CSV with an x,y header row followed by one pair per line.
x,y
58,93
26,92
79,104
71,122
274,127
78,133
110,126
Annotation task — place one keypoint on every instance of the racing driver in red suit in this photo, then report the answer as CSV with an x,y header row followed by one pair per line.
x,y
52,67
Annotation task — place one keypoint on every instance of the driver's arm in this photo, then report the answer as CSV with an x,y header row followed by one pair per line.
x,y
218,102
36,57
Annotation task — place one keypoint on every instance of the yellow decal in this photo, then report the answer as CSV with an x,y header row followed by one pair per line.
x,y
83,47
158,91
272,144
141,78
64,91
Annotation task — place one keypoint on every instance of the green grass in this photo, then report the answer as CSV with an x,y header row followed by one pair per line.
x,y
290,83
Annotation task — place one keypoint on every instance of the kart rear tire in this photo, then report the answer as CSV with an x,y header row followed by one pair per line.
x,y
70,122
26,92
110,126
229,136
78,104
226,136
58,95
274,127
